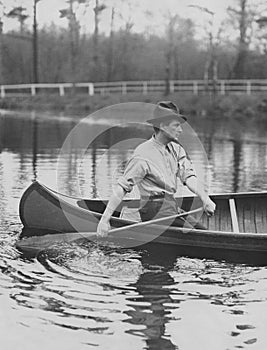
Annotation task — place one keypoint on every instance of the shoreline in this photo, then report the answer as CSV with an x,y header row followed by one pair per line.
x,y
228,106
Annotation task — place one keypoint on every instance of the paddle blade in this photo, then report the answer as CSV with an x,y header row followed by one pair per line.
x,y
36,244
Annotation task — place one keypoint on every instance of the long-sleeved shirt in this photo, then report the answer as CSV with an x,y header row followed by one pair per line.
x,y
155,168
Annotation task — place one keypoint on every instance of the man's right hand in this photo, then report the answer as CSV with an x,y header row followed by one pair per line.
x,y
103,228
116,198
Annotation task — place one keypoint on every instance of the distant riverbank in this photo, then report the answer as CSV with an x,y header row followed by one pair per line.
x,y
238,105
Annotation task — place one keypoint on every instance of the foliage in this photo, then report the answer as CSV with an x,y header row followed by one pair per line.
x,y
202,106
68,55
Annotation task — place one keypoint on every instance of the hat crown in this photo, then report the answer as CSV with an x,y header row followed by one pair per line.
x,y
164,111
169,105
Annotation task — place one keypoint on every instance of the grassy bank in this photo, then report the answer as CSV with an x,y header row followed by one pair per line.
x,y
228,106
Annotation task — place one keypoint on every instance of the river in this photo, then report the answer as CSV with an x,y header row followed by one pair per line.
x,y
93,297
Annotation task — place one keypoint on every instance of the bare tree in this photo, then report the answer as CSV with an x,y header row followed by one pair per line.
x,y
98,9
179,38
35,43
211,64
110,54
1,44
74,28
172,20
244,16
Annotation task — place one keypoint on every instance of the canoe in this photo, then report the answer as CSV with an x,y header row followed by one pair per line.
x,y
237,231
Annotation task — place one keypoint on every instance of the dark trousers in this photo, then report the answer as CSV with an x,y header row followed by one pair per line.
x,y
158,208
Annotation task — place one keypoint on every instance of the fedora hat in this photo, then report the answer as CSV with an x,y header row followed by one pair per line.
x,y
164,112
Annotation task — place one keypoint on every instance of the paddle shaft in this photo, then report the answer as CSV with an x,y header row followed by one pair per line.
x,y
155,221
73,236
77,235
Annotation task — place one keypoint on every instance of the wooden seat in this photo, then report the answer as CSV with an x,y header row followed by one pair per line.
x,y
233,215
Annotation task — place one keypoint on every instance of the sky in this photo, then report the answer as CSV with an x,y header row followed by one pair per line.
x,y
48,11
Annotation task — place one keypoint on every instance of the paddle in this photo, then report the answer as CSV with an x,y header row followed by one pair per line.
x,y
150,222
36,244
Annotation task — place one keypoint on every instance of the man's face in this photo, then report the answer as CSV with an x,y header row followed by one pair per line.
x,y
172,130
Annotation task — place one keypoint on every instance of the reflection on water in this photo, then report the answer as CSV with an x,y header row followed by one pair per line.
x,y
153,306
30,148
87,296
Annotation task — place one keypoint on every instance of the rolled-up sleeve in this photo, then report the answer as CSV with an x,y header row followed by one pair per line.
x,y
135,171
185,167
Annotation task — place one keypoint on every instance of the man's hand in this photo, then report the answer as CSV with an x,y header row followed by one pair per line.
x,y
116,198
103,228
198,188
209,207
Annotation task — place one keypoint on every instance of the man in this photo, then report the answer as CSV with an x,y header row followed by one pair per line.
x,y
154,168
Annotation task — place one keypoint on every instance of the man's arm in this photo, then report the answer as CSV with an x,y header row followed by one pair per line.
x,y
114,201
135,171
196,187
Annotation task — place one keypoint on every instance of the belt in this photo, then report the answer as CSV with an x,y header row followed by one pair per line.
x,y
158,197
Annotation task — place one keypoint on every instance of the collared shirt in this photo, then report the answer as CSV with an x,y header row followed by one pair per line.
x,y
154,168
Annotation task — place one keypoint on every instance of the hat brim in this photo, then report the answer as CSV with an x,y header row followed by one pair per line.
x,y
156,121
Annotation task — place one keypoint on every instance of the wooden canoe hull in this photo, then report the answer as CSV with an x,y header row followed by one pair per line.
x,y
46,212
35,245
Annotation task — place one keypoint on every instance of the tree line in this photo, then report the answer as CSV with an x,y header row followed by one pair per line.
x,y
54,54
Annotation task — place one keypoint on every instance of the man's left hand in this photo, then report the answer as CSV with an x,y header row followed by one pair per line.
x,y
209,207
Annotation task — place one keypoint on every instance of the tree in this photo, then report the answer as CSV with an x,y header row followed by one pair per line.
x,y
123,54
54,48
74,29
172,20
110,52
262,33
98,9
1,53
179,40
18,12
35,43
243,16
213,42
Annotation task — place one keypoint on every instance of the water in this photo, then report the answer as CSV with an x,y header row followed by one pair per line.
x,y
89,297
